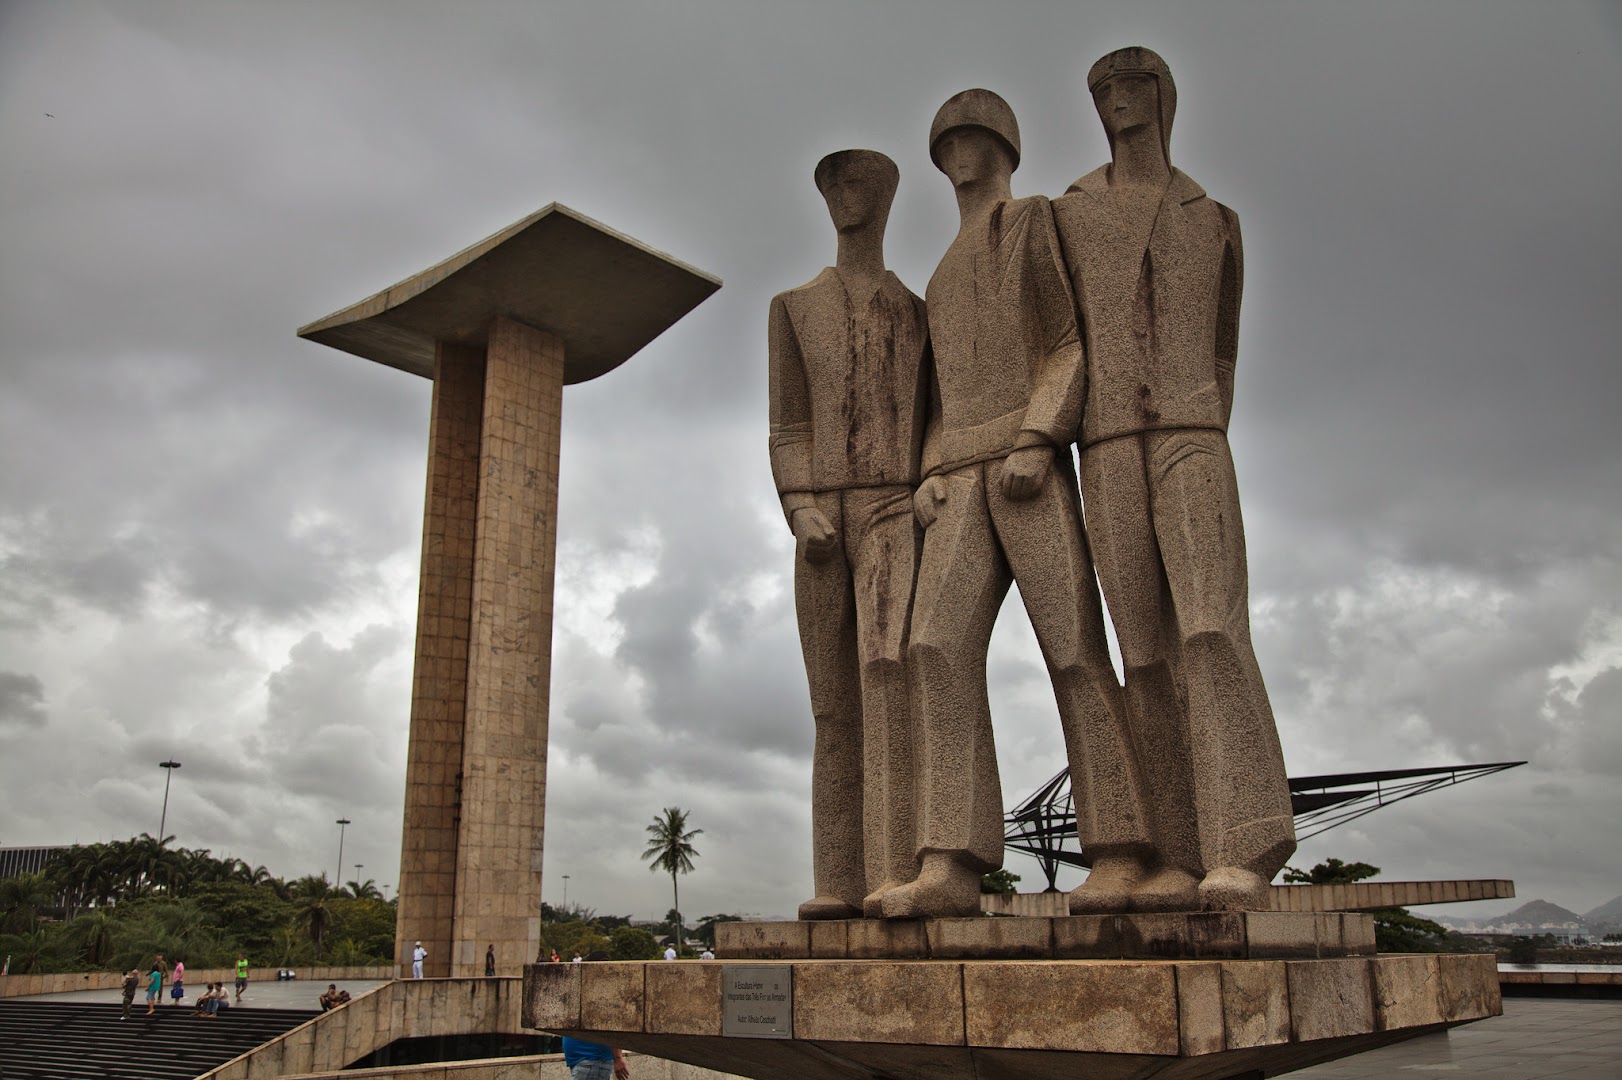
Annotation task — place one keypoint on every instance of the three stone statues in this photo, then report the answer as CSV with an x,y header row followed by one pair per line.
x,y
922,451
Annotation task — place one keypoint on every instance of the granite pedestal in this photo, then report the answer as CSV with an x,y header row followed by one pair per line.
x,y
1017,1019
1199,935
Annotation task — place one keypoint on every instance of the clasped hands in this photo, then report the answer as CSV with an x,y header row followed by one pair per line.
x,y
1023,473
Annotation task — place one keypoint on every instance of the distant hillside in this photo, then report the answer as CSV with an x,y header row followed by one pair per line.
x,y
1610,912
1540,913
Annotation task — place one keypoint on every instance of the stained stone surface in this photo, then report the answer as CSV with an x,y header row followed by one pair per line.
x,y
500,327
1038,1019
1157,267
605,294
1208,935
847,370
1105,319
999,505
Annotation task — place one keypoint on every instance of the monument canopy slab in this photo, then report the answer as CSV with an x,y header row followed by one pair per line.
x,y
605,294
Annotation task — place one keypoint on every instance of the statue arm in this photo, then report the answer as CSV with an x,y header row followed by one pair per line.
x,y
1228,296
926,501
789,391
1059,378
930,457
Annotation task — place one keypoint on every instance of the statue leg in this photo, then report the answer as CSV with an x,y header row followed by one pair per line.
x,y
1047,550
884,564
962,579
826,610
1115,487
1241,793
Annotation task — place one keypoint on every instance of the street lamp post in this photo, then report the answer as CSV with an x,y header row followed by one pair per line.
x,y
565,892
358,867
169,768
342,823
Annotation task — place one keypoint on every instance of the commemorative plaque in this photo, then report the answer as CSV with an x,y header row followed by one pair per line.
x,y
757,1001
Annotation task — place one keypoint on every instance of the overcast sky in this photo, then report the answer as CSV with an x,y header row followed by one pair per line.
x,y
210,530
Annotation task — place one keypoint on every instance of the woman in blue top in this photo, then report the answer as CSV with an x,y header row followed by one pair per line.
x,y
154,984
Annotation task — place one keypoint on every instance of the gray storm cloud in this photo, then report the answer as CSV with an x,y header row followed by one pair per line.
x,y
209,530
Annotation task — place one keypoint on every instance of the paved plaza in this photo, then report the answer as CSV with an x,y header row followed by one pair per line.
x,y
289,994
1535,1038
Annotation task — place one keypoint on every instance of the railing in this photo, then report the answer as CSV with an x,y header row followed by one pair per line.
x,y
34,985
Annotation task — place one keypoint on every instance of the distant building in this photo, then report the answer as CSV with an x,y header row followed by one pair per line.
x,y
17,861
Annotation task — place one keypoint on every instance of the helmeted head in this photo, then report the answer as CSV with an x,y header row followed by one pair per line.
x,y
980,109
858,186
1131,85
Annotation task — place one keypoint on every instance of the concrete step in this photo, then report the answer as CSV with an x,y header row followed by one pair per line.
x,y
89,1041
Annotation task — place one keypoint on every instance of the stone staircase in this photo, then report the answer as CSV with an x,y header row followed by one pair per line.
x,y
42,1040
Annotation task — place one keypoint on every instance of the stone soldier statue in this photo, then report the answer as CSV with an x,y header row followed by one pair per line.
x,y
999,505
848,371
1156,268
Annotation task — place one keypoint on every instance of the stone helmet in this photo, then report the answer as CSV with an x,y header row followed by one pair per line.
x,y
1135,59
870,160
976,108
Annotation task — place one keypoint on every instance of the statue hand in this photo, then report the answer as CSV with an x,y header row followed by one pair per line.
x,y
1024,472
926,502
815,533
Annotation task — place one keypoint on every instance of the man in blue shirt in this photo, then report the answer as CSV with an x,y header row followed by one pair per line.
x,y
593,1061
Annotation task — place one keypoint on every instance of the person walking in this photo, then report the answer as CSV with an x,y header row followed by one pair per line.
x,y
489,961
242,975
132,982
154,987
178,990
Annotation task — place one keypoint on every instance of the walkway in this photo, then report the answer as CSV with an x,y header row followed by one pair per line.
x,y
1534,1039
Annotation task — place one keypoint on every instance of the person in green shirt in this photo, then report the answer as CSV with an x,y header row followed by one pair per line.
x,y
242,976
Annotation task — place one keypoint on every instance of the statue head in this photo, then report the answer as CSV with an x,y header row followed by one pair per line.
x,y
858,186
970,133
1131,88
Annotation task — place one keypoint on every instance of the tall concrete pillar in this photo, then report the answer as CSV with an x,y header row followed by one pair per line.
x,y
500,328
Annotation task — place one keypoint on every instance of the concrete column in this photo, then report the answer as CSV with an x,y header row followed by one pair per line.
x,y
509,665
439,683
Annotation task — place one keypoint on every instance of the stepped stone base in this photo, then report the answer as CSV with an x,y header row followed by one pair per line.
x,y
1199,935
1021,1020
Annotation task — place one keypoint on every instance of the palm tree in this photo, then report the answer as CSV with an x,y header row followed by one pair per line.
x,y
92,935
365,890
311,894
670,848
21,900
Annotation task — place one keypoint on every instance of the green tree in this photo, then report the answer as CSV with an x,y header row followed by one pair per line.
x,y
22,900
705,930
671,850
251,914
34,952
369,924
1331,872
92,935
632,943
999,883
363,890
1395,930
311,913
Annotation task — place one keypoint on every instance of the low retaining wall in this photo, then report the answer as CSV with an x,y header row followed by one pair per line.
x,y
544,1067
33,985
411,1008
